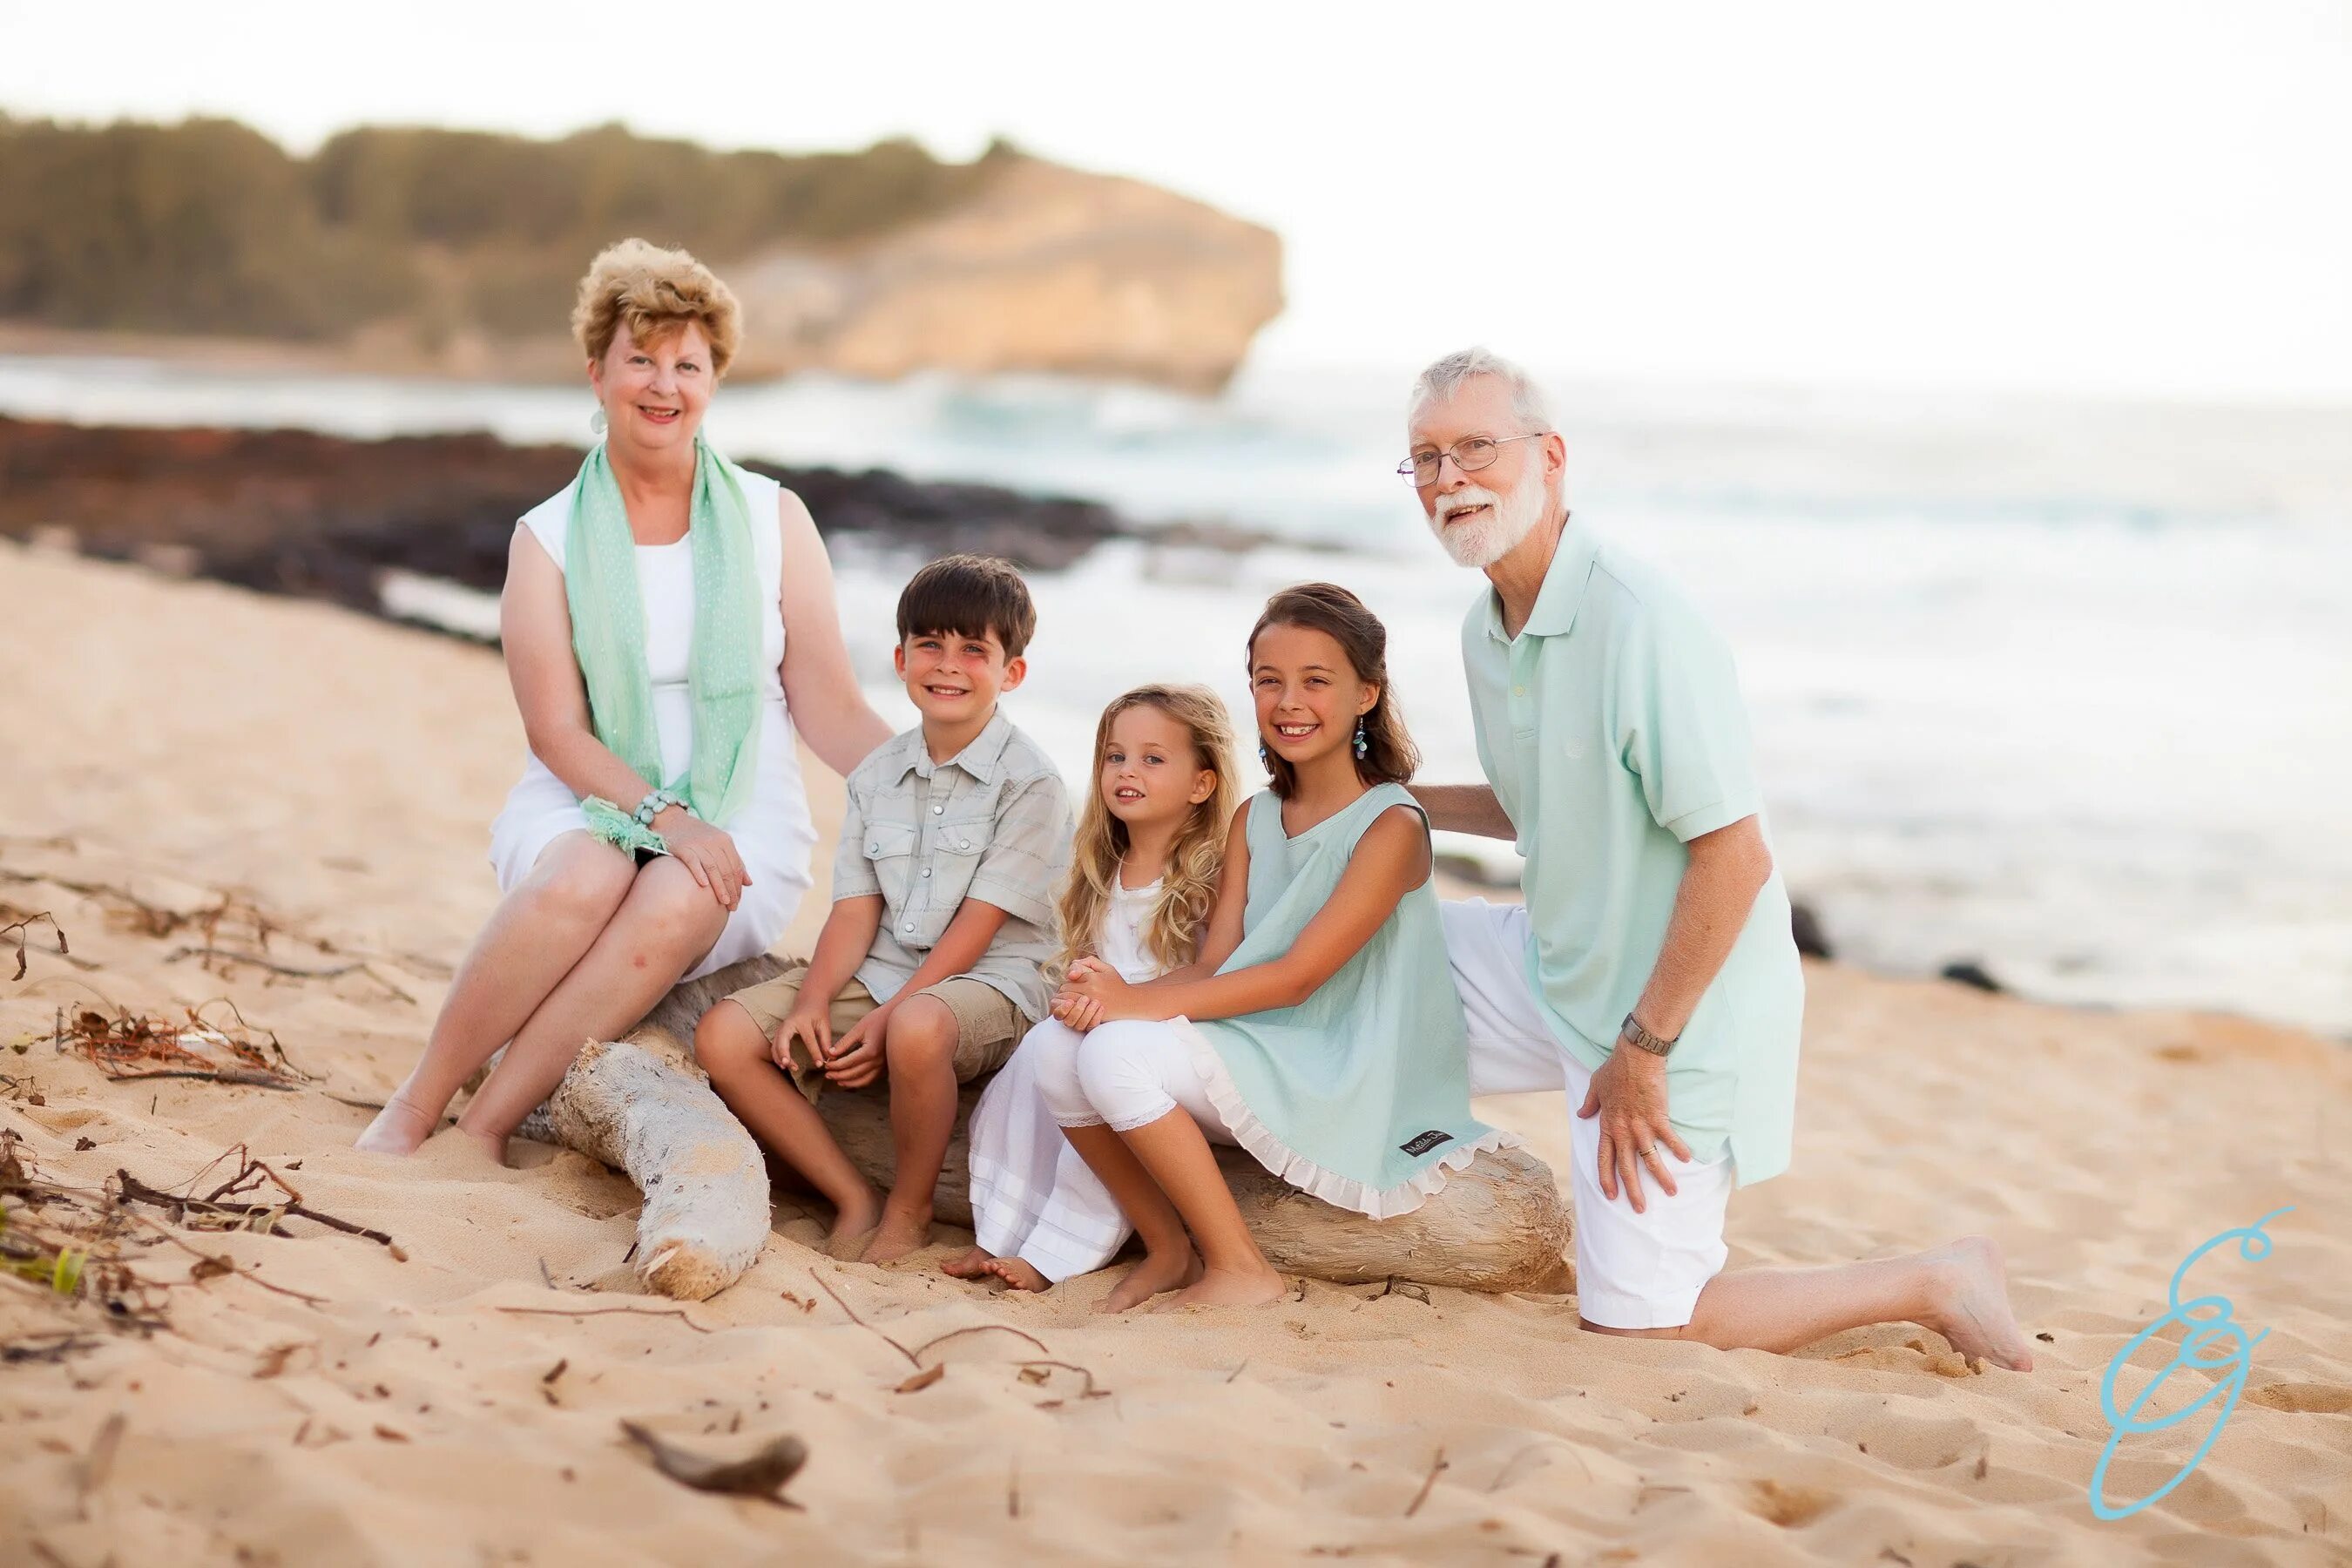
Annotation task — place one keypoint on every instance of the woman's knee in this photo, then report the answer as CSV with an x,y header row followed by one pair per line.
x,y
582,881
670,908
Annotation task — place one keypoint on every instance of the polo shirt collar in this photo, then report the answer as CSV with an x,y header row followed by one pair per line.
x,y
1562,594
979,758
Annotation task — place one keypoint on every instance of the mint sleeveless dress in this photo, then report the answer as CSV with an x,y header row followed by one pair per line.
x,y
1360,1094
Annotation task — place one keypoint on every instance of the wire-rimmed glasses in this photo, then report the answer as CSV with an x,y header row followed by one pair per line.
x,y
1470,454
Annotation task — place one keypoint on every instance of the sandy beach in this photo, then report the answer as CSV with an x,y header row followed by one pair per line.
x,y
324,782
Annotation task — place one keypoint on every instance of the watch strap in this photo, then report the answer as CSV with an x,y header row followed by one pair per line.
x,y
1633,1035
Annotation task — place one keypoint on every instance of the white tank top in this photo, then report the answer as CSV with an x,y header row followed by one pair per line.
x,y
1120,942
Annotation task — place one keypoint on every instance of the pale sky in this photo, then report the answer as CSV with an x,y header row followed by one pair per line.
x,y
2102,196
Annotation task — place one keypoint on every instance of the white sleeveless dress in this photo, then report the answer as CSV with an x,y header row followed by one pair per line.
x,y
1031,1196
772,832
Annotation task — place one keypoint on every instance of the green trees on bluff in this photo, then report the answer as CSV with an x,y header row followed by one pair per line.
x,y
209,227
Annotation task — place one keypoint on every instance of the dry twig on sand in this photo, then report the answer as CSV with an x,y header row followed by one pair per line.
x,y
21,928
212,1211
680,1313
1034,1370
130,1049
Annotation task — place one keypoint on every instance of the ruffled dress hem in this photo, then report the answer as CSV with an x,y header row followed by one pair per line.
x,y
1260,1142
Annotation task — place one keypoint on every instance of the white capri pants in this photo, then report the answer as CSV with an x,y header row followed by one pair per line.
x,y
1124,1075
1633,1270
1032,1196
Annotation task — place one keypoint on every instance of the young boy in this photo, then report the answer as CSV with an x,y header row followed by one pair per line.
x,y
929,967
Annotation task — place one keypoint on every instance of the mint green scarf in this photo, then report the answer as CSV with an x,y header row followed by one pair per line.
x,y
608,634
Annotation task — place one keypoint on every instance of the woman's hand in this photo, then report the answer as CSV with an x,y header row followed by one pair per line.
x,y
707,852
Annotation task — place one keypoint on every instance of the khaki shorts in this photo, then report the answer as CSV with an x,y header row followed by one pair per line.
x,y
988,1025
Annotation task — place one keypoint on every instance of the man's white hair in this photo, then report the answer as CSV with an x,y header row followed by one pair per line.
x,y
1448,375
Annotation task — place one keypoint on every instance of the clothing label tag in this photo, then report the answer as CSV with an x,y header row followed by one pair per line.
x,y
1424,1143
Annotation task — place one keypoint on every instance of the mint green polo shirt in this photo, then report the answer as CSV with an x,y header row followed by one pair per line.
x,y
1612,730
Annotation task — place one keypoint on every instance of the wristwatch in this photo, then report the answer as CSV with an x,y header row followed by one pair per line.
x,y
1632,1034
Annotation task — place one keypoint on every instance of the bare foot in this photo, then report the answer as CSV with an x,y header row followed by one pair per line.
x,y
1018,1273
399,1128
1221,1287
1157,1272
897,1235
852,1225
968,1264
1971,1304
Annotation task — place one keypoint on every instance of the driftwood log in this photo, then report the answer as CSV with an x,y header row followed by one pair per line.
x,y
642,1106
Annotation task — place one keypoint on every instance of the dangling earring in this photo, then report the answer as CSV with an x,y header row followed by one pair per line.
x,y
1265,758
596,421
1363,745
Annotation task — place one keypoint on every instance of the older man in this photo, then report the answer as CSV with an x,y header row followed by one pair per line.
x,y
1651,972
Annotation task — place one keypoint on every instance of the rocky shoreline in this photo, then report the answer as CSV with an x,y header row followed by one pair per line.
x,y
317,516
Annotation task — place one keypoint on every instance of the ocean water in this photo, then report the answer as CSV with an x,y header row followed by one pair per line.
x,y
2062,689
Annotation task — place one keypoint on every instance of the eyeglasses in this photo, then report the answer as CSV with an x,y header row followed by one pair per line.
x,y
1470,454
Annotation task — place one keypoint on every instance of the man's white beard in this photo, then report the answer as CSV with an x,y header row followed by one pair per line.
x,y
1481,544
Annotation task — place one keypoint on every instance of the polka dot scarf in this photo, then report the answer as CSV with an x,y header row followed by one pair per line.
x,y
608,634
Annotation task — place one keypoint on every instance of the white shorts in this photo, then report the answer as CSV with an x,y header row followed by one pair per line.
x,y
1633,1270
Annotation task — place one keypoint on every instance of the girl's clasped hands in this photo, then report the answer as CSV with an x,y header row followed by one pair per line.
x,y
1093,993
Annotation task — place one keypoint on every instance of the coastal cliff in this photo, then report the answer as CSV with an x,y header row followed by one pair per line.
x,y
411,251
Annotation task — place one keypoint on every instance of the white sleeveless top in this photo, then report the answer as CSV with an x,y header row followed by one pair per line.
x,y
773,831
1120,942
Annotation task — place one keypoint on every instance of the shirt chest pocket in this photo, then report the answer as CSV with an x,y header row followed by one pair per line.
x,y
890,850
939,873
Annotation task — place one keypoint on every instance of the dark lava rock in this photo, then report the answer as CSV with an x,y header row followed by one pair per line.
x,y
1806,926
1968,972
294,511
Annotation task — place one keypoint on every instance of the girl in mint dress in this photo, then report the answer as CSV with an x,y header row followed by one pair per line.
x,y
1319,1029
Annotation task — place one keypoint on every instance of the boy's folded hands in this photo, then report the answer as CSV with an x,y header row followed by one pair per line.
x,y
855,1060
802,1043
803,1046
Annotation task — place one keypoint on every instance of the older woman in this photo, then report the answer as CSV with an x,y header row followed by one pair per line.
x,y
667,619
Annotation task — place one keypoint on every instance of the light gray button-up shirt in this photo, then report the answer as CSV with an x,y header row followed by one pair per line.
x,y
990,823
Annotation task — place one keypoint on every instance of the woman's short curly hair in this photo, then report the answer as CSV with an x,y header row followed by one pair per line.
x,y
656,293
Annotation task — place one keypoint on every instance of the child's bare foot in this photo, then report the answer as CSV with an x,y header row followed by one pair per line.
x,y
399,1128
852,1225
1229,1287
1158,1272
898,1235
1018,1273
968,1264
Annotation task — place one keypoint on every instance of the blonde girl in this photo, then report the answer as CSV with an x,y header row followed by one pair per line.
x,y
1143,874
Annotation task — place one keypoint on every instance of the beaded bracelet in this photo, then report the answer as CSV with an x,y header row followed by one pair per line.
x,y
653,804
